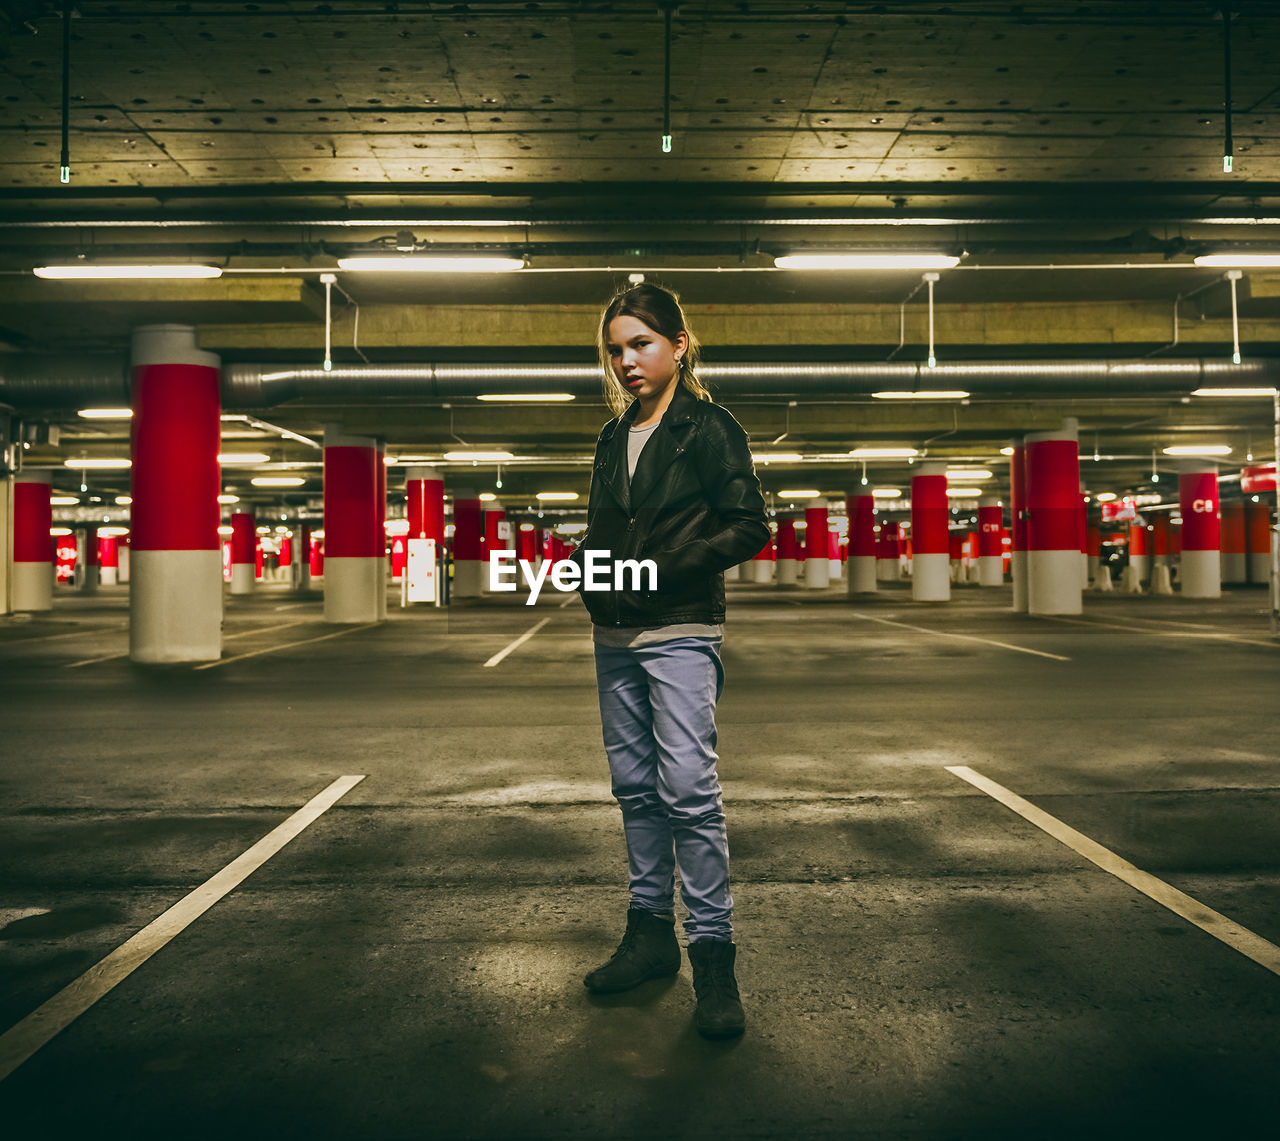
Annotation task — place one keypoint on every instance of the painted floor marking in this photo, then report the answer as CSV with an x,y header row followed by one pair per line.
x,y
1158,633
225,638
964,637
520,641
1226,930
19,1042
285,646
87,630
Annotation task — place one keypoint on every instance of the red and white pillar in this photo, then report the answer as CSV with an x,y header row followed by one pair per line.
x,y
762,564
244,552
861,510
955,555
109,558
990,546
930,543
380,528
834,559
469,571
1093,544
300,557
1200,575
888,568
317,557
88,560
1234,565
33,547
1257,536
1018,525
788,568
175,563
497,535
424,497
1053,521
1139,552
817,547
1160,539
355,552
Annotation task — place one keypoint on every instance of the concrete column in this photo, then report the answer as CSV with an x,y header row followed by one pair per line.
x,y
175,600
527,543
1053,521
122,558
955,555
1234,564
835,562
244,552
1018,525
817,551
1159,539
380,527
87,560
788,569
930,544
1257,535
497,536
300,558
887,567
317,557
468,565
1093,545
761,565
1201,573
34,561
1139,552
109,557
862,543
424,494
354,551
990,547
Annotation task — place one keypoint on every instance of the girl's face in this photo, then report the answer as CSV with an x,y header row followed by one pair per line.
x,y
643,360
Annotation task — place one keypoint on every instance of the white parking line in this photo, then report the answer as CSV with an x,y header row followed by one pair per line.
x,y
1159,633
19,1042
225,638
69,634
963,637
520,641
285,646
1241,939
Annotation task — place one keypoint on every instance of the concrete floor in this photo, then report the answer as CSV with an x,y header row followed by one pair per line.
x,y
917,961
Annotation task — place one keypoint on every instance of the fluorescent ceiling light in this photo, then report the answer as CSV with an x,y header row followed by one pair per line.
x,y
59,532
112,532
101,464
799,493
937,394
480,457
64,501
105,413
886,492
1106,497
389,460
1198,450
1242,261
529,397
963,492
123,500
431,264
243,457
228,499
883,453
1006,451
866,261
968,473
119,272
777,458
1234,392
224,530
557,496
278,481
396,526
487,497
413,459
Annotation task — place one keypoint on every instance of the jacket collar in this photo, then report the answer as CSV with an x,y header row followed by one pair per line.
x,y
667,442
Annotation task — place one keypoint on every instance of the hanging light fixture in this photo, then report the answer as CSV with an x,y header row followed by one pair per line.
x,y
65,162
1228,146
1234,275
668,8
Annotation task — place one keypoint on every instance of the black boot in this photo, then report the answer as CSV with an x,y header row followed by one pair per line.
x,y
719,1013
648,951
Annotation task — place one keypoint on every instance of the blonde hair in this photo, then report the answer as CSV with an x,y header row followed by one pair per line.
x,y
659,308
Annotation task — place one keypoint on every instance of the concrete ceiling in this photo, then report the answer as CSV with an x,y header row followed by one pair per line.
x,y
1070,153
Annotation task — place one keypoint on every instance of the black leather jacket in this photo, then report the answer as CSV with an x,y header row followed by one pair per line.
x,y
694,507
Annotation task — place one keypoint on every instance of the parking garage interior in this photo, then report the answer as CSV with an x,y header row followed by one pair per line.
x,y
1003,854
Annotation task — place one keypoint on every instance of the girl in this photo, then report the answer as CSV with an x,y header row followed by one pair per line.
x,y
672,482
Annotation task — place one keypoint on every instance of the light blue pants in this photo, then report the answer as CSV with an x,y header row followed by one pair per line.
x,y
657,709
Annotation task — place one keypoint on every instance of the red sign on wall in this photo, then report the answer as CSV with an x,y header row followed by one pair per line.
x,y
1121,510
1256,479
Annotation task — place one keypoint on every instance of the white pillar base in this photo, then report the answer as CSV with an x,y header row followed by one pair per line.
x,y
33,586
1131,580
1235,567
350,589
887,570
468,578
862,574
1259,567
990,570
243,578
836,571
1018,572
1084,571
1141,566
123,556
733,573
1161,582
175,607
108,576
1094,564
930,578
817,573
1053,582
1102,581
788,572
1201,574
763,570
